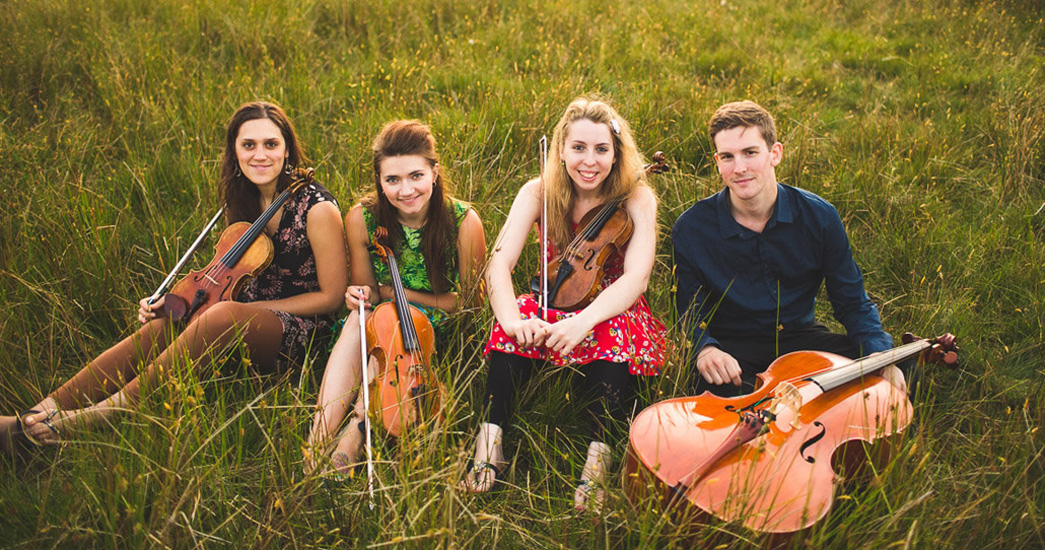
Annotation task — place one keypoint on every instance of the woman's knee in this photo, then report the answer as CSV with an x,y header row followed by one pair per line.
x,y
223,316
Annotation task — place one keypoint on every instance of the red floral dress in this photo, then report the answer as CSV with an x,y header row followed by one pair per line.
x,y
634,337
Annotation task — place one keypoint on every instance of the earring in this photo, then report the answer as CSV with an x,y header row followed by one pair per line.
x,y
287,168
563,163
238,173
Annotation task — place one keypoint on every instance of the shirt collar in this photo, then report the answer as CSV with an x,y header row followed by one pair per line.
x,y
783,209
728,226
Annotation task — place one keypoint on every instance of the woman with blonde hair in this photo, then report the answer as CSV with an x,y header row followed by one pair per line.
x,y
592,161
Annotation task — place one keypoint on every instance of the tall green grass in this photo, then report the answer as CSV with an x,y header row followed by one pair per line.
x,y
923,122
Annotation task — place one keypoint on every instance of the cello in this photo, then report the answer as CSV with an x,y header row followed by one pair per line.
x,y
242,251
574,277
401,338
764,460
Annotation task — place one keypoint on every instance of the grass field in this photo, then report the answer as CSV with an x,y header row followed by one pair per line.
x,y
922,121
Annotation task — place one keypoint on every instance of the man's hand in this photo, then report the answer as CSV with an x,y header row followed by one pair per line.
x,y
717,366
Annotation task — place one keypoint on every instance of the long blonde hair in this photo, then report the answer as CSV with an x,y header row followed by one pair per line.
x,y
626,175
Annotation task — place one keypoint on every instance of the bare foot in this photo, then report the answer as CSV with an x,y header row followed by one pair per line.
x,y
489,461
590,493
349,446
38,425
51,425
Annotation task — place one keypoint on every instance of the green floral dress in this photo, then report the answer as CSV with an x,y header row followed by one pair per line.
x,y
411,261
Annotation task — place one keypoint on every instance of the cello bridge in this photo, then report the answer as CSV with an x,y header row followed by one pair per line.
x,y
786,406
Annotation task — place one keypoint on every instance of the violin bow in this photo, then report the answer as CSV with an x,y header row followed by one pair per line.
x,y
542,300
365,390
162,289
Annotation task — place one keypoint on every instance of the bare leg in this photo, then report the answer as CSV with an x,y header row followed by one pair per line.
x,y
337,392
350,445
197,346
112,369
103,376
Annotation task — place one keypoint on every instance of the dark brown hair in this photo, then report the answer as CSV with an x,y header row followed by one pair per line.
x,y
743,114
239,195
439,231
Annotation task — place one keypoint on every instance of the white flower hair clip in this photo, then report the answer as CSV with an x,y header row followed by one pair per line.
x,y
615,125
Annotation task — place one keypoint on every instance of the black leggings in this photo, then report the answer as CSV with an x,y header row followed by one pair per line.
x,y
608,391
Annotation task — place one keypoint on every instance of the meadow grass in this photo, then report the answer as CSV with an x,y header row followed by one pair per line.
x,y
923,122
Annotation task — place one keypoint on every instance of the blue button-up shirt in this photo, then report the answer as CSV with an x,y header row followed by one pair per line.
x,y
731,280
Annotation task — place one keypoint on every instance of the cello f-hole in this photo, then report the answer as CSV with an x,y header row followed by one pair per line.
x,y
811,441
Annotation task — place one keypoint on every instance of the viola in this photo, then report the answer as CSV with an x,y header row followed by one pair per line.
x,y
243,251
405,391
764,460
575,276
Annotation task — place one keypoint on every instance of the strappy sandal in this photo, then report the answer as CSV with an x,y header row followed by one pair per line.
x,y
592,499
342,472
47,421
479,468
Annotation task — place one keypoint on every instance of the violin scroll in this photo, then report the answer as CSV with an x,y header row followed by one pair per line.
x,y
301,177
377,245
659,164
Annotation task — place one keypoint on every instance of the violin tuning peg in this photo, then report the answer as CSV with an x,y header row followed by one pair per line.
x,y
908,337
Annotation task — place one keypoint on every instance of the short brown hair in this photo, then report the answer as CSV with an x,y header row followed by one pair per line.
x,y
743,114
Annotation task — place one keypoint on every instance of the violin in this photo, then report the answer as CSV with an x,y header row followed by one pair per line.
x,y
764,460
401,338
575,276
243,251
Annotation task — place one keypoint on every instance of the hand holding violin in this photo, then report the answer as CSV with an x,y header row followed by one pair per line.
x,y
147,312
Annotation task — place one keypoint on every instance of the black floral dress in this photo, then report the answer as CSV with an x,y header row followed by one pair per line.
x,y
293,272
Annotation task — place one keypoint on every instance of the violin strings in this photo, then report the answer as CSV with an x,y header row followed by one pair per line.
x,y
247,239
410,337
593,226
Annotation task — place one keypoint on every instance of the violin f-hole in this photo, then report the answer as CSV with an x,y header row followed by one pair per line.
x,y
590,262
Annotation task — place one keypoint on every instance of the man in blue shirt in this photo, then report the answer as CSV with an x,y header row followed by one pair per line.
x,y
749,262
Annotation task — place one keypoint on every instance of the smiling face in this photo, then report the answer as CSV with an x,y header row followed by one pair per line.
x,y
406,182
747,165
261,151
588,154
